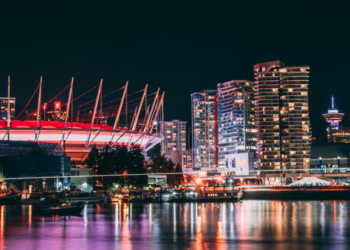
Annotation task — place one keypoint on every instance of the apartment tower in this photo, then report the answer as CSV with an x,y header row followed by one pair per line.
x,y
174,138
204,130
282,115
236,119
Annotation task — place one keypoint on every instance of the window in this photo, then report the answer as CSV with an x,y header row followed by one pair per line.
x,y
290,90
291,104
303,93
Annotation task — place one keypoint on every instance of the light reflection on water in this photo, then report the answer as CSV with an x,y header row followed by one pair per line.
x,y
246,225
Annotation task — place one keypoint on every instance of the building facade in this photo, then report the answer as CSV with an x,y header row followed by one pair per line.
x,y
21,159
339,135
235,119
204,130
3,108
174,133
282,116
334,132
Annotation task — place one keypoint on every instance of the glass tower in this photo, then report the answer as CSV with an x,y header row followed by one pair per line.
x,y
204,130
236,114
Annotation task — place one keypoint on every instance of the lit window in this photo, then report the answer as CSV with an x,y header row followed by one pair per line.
x,y
303,93
290,90
291,104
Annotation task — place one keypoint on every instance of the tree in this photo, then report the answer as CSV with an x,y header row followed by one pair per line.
x,y
163,165
93,158
111,160
179,176
137,167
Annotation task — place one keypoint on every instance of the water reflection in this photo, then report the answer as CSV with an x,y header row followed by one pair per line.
x,y
246,225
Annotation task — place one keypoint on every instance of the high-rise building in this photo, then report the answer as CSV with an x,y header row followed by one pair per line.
x,y
236,119
174,133
204,130
333,118
3,108
282,115
189,158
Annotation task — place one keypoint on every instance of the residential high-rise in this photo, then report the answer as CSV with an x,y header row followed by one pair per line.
x,y
3,108
282,115
236,119
174,138
204,130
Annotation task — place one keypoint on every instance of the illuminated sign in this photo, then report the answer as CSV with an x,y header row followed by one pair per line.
x,y
241,162
57,105
45,106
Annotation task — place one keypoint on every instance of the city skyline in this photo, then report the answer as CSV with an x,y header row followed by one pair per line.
x,y
51,41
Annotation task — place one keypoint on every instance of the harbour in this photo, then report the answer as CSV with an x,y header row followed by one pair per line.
x,y
261,224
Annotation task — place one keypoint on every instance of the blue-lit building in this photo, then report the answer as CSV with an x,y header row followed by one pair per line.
x,y
32,159
236,122
330,158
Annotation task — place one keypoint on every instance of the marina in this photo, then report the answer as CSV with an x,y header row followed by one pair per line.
x,y
258,224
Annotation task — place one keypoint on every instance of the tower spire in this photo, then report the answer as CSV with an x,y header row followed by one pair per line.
x,y
332,102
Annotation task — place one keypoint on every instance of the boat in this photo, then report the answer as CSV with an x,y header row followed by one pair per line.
x,y
51,206
77,196
179,196
6,198
33,199
218,194
143,196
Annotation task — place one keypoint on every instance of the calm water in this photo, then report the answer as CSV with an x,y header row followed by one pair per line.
x,y
247,225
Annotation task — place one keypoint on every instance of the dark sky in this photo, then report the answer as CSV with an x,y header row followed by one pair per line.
x,y
182,47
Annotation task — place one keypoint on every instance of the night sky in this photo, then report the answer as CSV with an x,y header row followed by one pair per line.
x,y
182,47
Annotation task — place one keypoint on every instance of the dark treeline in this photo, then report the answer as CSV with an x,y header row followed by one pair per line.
x,y
121,160
118,160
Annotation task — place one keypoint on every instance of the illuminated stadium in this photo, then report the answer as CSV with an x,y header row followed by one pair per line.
x,y
77,137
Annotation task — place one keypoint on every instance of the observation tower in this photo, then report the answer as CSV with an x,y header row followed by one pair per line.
x,y
333,117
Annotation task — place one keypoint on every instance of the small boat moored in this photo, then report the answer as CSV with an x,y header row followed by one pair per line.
x,y
51,206
6,198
